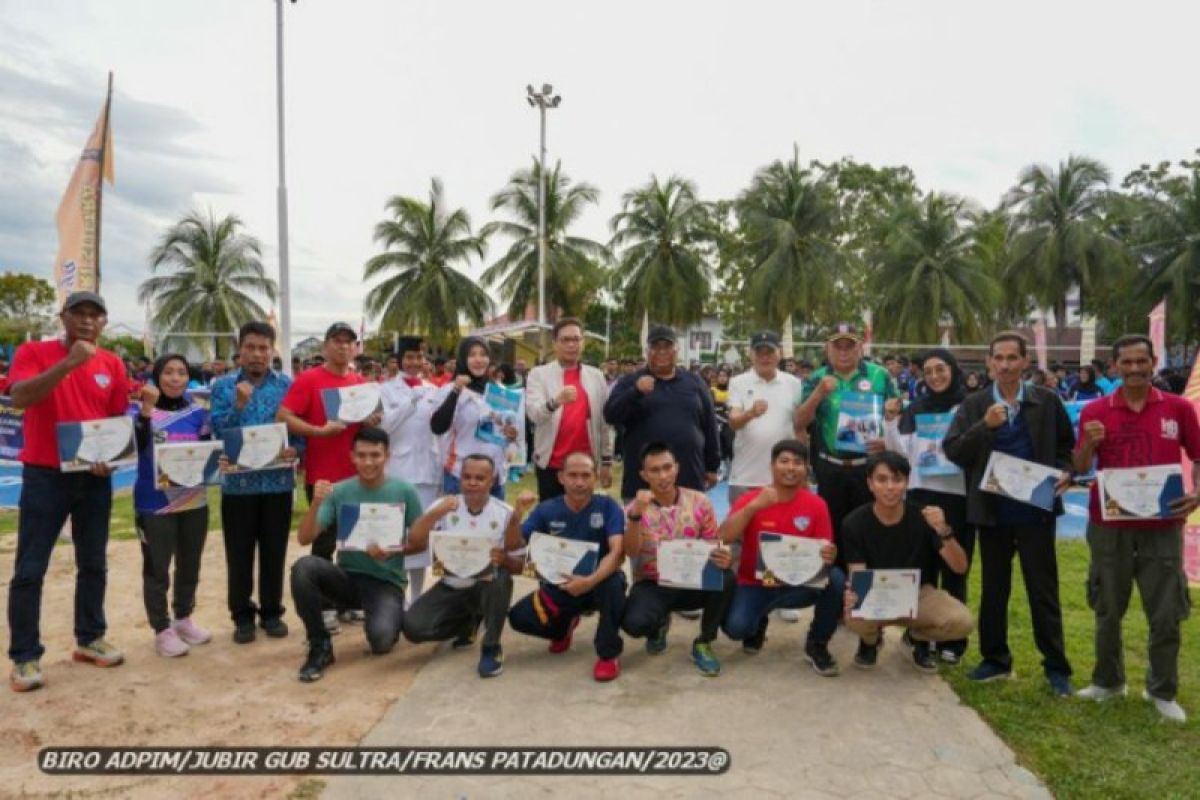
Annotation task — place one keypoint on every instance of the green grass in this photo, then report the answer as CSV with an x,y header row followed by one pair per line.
x,y
1117,749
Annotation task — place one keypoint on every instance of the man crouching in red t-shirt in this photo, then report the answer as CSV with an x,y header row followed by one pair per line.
x,y
63,380
785,508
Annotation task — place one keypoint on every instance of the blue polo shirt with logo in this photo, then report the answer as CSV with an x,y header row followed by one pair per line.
x,y
601,518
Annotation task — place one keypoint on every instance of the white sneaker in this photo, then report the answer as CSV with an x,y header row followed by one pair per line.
x,y
168,644
1167,709
1100,694
330,618
789,615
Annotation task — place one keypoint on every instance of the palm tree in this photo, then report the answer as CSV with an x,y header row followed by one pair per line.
x,y
662,228
1169,230
789,218
992,237
423,241
215,271
928,270
1061,241
573,271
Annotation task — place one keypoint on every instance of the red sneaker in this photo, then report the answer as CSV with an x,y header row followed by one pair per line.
x,y
564,644
606,669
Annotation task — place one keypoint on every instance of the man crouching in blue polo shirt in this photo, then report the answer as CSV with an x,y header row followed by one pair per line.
x,y
552,611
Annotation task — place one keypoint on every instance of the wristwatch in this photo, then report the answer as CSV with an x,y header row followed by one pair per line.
x,y
634,517
949,534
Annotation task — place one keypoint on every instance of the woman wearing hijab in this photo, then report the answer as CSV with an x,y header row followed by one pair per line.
x,y
458,416
172,523
1086,388
916,432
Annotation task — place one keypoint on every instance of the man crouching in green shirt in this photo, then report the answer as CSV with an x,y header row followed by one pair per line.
x,y
372,579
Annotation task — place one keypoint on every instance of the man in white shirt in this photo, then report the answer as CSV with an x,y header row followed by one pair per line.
x,y
762,404
565,400
455,605
408,403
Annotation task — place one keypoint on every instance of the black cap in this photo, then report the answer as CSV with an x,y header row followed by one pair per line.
x,y
768,338
661,333
79,298
407,344
339,328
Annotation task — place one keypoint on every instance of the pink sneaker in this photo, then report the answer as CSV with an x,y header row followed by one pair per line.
x,y
168,644
190,632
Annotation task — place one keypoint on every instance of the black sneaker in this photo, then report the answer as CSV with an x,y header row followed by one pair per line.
x,y
275,628
823,663
244,633
867,655
923,658
467,637
320,656
753,643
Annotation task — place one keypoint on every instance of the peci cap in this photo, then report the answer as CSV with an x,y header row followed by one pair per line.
x,y
79,298
338,328
764,339
661,333
408,344
844,330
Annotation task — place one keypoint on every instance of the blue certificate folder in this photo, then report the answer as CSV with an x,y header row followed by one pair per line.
x,y
70,437
347,518
859,420
331,400
503,408
712,579
931,459
232,439
212,471
860,584
586,565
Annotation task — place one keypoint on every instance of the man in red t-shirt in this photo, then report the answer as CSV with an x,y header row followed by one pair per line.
x,y
786,508
565,401
329,441
63,380
1138,426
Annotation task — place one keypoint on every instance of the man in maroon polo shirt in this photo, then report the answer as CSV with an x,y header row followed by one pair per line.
x,y
63,380
1138,426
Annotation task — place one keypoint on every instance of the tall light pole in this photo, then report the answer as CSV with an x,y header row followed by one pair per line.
x,y
285,299
541,101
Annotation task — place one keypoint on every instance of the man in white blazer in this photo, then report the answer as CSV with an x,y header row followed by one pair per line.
x,y
408,403
565,400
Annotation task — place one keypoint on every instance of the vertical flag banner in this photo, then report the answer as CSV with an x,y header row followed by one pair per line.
x,y
1039,342
77,267
1158,331
788,343
1087,339
868,332
1191,530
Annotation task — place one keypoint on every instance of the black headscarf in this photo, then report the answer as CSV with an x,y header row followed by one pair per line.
x,y
936,402
477,383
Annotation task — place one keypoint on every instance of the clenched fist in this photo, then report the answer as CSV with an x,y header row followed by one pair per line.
x,y
828,385
935,518
461,382
759,408
150,395
448,504
645,384
243,390
642,501
997,415
767,497
568,394
525,501
892,408
321,490
1094,431
80,353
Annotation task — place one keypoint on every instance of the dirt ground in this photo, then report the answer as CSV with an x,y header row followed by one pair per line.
x,y
219,694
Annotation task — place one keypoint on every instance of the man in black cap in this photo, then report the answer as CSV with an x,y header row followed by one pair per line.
x,y
664,404
845,400
408,405
329,442
68,379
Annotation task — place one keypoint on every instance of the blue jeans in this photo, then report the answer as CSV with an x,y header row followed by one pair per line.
x,y
751,605
450,485
48,498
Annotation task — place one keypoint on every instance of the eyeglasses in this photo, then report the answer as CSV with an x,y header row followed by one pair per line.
x,y
569,339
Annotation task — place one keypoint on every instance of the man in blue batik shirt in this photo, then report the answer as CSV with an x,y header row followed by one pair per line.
x,y
256,507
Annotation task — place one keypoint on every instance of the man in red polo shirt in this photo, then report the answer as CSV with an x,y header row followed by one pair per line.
x,y
1138,426
63,380
787,507
565,400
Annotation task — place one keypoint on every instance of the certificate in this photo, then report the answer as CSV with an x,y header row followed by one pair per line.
x,y
256,447
885,594
352,403
790,560
82,445
1021,480
463,555
930,431
360,525
686,564
555,559
860,420
1139,493
185,465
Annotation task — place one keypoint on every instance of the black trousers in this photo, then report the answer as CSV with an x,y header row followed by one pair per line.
x,y
843,489
165,538
250,522
955,508
1034,544
649,606
326,542
548,484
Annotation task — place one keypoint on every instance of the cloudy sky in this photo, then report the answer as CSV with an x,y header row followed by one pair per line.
x,y
382,95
